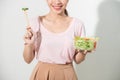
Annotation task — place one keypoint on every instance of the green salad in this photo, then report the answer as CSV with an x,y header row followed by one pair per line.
x,y
83,43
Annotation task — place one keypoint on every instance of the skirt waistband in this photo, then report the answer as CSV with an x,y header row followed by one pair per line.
x,y
52,65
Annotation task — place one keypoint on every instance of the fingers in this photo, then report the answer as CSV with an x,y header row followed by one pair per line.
x,y
85,52
82,51
28,28
29,33
27,36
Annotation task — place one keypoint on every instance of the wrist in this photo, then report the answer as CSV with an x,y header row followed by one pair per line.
x,y
28,44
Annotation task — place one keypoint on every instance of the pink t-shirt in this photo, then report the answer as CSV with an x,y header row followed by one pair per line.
x,y
56,48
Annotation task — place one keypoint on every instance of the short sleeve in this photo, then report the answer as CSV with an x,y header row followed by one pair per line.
x,y
34,24
79,28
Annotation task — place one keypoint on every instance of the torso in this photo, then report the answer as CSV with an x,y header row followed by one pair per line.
x,y
57,39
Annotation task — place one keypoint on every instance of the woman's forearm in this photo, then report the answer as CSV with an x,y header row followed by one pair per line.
x,y
79,57
28,53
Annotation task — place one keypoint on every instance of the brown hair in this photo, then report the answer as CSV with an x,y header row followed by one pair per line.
x,y
66,12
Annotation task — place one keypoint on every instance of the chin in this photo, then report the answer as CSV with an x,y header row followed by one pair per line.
x,y
58,12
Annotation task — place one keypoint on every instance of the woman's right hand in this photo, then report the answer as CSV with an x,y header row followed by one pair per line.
x,y
29,36
29,48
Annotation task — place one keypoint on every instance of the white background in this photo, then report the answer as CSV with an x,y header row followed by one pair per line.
x,y
101,18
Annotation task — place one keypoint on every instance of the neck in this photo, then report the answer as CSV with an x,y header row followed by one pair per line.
x,y
55,17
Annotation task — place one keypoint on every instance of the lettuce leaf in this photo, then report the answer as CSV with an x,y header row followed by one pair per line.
x,y
85,43
25,9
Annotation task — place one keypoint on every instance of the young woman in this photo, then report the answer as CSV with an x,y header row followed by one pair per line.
x,y
51,39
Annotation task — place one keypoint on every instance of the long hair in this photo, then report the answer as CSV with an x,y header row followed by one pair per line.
x,y
66,12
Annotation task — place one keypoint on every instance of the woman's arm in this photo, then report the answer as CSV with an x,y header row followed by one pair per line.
x,y
28,53
29,48
79,56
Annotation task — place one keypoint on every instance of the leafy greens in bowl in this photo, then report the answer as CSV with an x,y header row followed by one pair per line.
x,y
84,43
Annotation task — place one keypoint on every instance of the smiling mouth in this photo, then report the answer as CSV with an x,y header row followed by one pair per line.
x,y
57,7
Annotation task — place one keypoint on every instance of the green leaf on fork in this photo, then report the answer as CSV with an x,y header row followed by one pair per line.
x,y
25,9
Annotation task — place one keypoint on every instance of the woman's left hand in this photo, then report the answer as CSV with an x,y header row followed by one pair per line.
x,y
83,51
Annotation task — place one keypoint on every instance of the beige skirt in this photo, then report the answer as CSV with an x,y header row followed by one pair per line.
x,y
47,71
